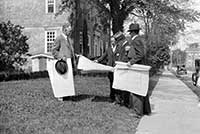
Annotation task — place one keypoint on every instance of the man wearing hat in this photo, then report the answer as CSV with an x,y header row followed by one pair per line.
x,y
121,53
63,53
136,55
110,56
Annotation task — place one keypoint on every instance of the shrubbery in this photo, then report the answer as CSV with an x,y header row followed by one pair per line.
x,y
12,46
8,76
22,76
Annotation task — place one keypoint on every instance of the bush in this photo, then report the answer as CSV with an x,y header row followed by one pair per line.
x,y
13,46
2,76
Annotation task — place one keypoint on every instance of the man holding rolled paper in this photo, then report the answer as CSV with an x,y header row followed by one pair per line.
x,y
109,56
134,53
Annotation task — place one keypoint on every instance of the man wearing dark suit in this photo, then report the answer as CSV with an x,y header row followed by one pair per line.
x,y
134,53
109,57
122,55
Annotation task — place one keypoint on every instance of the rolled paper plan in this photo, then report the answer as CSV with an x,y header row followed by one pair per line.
x,y
134,79
86,64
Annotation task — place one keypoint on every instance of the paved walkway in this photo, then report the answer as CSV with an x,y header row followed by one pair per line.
x,y
174,109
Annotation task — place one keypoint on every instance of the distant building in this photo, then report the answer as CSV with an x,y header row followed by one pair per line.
x,y
41,26
192,53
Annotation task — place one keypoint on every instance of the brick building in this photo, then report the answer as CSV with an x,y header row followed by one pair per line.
x,y
192,53
41,27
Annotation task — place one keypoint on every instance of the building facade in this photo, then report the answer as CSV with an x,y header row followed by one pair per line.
x,y
192,53
41,27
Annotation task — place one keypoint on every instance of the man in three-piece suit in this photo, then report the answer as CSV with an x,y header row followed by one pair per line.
x,y
63,49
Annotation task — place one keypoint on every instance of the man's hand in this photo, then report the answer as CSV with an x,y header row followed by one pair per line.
x,y
129,64
96,61
64,58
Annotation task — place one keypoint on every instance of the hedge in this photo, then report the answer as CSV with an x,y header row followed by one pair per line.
x,y
22,76
43,74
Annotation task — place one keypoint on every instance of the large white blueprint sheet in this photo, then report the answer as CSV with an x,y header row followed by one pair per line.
x,y
62,85
86,64
134,79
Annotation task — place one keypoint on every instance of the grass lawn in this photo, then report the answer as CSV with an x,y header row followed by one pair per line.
x,y
29,107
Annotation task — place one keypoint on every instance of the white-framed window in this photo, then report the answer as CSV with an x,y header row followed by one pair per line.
x,y
50,36
50,6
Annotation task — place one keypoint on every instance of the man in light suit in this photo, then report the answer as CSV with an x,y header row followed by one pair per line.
x,y
63,48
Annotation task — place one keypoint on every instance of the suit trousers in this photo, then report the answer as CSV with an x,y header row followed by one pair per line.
x,y
139,104
112,90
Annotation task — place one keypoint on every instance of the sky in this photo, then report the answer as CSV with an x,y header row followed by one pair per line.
x,y
192,31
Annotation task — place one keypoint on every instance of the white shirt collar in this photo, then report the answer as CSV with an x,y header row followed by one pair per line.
x,y
134,37
113,48
64,35
124,42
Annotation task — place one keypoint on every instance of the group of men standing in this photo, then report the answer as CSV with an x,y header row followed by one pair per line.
x,y
131,52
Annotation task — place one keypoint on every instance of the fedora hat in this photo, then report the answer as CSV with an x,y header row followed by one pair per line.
x,y
119,36
61,66
133,27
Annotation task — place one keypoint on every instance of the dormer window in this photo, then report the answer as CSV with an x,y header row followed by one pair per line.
x,y
50,6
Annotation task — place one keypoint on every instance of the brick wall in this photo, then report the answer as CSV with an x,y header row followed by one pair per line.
x,y
31,14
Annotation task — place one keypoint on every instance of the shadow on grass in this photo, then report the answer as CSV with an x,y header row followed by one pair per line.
x,y
78,97
101,99
95,98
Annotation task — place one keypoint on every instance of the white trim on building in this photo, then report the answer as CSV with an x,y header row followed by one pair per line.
x,y
50,36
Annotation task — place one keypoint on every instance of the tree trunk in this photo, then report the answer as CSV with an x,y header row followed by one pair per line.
x,y
118,16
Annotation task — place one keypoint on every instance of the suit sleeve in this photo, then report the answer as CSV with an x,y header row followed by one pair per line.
x,y
103,57
56,48
136,52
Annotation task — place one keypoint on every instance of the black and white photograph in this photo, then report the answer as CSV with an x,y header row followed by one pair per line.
x,y
99,66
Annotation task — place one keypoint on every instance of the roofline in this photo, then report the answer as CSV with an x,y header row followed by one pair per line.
x,y
42,55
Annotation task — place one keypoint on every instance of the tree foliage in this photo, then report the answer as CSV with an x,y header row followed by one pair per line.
x,y
12,46
178,57
163,20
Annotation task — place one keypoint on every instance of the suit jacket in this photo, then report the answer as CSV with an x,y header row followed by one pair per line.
x,y
136,53
109,56
62,47
121,53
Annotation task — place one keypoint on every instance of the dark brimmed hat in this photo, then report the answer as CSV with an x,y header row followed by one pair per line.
x,y
134,27
119,36
61,66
